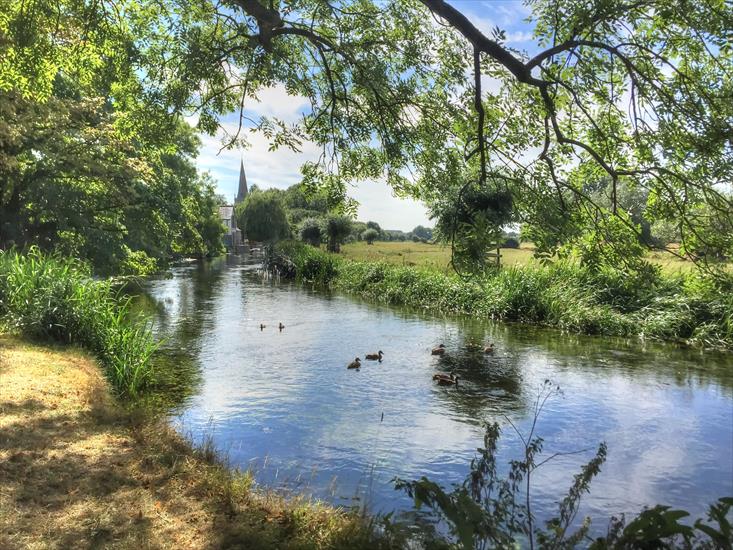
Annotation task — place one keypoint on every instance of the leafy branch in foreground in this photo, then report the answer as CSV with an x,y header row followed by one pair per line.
x,y
488,511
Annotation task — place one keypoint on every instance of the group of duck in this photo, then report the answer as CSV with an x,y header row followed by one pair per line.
x,y
442,378
280,327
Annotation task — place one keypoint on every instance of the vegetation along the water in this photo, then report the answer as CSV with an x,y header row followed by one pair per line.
x,y
564,164
689,307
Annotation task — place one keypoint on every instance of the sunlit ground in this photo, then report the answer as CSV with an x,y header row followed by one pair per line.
x,y
438,256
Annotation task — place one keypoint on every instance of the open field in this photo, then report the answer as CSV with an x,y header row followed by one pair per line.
x,y
438,257
78,471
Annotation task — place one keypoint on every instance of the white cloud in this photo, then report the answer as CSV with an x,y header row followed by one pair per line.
x,y
281,168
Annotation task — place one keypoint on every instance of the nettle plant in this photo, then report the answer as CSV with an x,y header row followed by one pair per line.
x,y
491,511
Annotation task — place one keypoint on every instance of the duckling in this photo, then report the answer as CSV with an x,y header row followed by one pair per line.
x,y
489,348
374,356
446,379
262,326
440,350
281,326
355,364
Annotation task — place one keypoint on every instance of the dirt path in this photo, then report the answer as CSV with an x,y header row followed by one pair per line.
x,y
78,472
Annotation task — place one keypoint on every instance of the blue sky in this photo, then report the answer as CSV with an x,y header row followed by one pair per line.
x,y
281,168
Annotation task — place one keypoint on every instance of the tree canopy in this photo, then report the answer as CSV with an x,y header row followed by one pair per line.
x,y
638,92
262,217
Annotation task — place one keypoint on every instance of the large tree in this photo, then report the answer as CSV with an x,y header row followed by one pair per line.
x,y
635,91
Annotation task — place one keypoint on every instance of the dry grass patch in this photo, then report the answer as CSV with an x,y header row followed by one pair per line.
x,y
78,471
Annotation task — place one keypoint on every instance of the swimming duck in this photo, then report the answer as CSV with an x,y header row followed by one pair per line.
x,y
262,326
374,356
281,326
440,350
355,364
489,348
446,379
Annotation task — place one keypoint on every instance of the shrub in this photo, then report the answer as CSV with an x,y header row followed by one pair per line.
x,y
50,297
310,231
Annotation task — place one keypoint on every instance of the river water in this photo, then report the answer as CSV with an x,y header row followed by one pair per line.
x,y
283,404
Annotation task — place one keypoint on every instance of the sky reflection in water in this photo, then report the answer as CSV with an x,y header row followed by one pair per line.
x,y
284,404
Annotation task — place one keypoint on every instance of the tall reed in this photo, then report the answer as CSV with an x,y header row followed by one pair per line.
x,y
690,308
46,296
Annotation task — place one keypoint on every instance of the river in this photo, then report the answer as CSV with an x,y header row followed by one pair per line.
x,y
283,404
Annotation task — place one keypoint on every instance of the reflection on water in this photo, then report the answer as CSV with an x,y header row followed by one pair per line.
x,y
283,403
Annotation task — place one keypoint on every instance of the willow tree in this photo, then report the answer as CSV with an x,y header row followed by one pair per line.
x,y
635,91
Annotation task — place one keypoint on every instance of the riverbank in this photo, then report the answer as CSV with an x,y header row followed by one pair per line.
x,y
684,308
77,469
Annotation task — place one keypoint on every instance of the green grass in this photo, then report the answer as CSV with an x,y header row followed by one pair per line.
x,y
679,307
48,297
437,257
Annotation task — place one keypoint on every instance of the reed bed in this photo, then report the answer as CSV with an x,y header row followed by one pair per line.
x,y
49,297
689,307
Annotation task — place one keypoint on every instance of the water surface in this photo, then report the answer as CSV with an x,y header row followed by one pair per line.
x,y
283,404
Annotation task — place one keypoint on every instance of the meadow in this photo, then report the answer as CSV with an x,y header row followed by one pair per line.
x,y
437,257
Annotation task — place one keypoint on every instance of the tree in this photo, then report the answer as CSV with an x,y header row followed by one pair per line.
x,y
262,218
71,181
337,229
370,235
423,232
374,225
311,231
637,91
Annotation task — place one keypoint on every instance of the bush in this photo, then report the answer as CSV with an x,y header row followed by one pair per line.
x,y
311,231
50,297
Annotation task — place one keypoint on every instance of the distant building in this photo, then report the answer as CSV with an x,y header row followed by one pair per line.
x,y
233,238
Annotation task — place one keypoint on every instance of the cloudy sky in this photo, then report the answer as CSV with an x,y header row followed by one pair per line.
x,y
281,168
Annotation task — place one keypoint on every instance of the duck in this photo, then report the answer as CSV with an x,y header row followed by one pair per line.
x,y
440,350
355,364
444,379
374,356
489,348
281,326
262,326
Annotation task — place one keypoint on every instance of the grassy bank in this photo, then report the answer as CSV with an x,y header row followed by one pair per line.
x,y
76,470
681,307
47,297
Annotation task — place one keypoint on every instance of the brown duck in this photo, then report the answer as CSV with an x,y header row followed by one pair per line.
x,y
355,364
440,350
446,379
374,356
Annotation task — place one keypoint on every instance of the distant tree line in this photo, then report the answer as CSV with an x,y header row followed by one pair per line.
x,y
274,214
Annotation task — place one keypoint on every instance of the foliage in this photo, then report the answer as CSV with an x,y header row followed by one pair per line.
x,y
338,229
311,231
634,95
71,181
370,235
50,297
424,233
488,511
691,308
262,218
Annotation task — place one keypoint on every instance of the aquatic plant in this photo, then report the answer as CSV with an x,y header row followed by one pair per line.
x,y
490,511
690,308
46,296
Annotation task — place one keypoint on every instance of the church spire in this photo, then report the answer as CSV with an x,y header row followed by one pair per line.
x,y
242,184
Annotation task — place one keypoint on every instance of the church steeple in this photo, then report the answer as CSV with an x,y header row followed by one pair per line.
x,y
242,193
